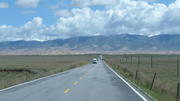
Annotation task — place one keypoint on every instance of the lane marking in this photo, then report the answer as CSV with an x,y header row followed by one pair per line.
x,y
141,96
76,83
67,90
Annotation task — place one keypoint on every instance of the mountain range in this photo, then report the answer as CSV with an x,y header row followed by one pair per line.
x,y
91,44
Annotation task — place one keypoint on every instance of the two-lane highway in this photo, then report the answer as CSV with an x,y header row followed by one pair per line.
x,y
93,82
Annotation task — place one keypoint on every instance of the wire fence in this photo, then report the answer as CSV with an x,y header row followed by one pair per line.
x,y
157,73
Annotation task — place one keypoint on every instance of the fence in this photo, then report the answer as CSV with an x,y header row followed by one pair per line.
x,y
159,73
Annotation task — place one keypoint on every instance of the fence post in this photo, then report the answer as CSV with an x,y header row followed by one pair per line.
x,y
136,74
151,62
153,81
131,59
177,94
177,67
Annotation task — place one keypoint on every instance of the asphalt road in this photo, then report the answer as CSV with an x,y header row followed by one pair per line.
x,y
93,82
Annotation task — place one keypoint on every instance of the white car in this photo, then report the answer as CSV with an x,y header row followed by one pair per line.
x,y
94,61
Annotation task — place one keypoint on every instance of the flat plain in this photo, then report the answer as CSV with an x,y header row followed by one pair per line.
x,y
15,69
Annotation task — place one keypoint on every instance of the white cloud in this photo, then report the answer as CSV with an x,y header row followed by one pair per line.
x,y
35,23
126,16
4,5
29,31
136,17
176,4
27,3
84,22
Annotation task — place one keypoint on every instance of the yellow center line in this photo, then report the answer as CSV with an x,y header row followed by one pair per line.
x,y
67,90
76,83
86,73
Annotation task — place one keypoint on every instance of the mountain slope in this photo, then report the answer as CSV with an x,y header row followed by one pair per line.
x,y
123,42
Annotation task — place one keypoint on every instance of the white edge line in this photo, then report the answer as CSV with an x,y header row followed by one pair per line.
x,y
35,80
142,97
141,90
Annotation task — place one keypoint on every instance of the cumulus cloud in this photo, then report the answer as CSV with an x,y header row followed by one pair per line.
x,y
27,3
4,5
176,4
35,23
125,16
29,31
84,22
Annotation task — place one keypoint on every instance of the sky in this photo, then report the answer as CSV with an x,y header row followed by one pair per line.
x,y
43,20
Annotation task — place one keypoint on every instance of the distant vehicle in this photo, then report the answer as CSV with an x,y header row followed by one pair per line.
x,y
94,61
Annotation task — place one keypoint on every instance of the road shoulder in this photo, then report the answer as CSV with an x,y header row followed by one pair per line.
x,y
134,87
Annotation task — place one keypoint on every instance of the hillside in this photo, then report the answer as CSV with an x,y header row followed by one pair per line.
x,y
113,43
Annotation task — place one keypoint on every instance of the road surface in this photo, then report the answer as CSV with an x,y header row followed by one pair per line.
x,y
93,82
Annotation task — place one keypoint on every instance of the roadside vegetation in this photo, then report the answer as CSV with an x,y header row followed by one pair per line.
x,y
19,69
141,69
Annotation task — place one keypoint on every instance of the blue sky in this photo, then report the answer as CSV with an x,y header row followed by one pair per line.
x,y
51,19
16,16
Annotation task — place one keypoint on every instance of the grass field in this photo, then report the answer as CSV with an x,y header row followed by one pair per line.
x,y
18,69
165,84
